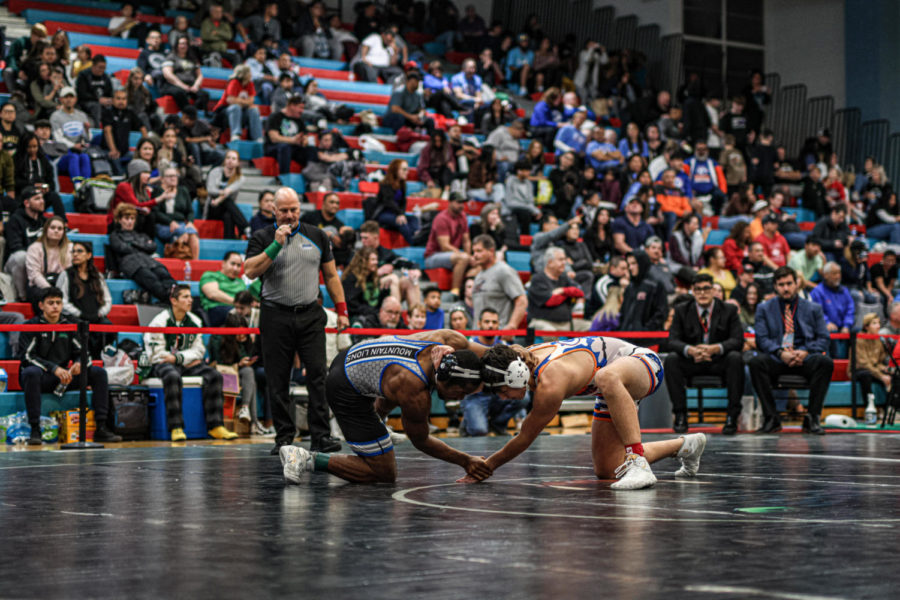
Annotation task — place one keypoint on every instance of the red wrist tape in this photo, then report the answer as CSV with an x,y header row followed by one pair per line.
x,y
341,309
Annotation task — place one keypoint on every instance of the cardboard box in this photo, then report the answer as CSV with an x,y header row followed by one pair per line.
x,y
68,426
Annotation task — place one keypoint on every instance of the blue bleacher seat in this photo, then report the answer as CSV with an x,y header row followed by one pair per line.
x,y
97,240
352,217
717,237
246,210
804,215
320,63
415,254
216,249
294,181
413,187
118,286
360,87
378,109
247,150
384,158
520,261
11,402
68,201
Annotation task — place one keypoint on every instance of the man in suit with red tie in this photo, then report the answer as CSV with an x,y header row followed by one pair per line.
x,y
705,338
791,337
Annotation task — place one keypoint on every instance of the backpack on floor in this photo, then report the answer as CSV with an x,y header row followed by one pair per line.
x,y
130,405
94,195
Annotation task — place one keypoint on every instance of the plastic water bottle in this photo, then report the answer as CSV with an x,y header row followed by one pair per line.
x,y
187,270
60,389
4,380
871,412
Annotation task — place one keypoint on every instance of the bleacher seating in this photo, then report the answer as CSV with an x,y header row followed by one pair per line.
x,y
86,21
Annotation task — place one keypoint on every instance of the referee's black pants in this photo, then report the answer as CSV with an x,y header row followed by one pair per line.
x,y
284,333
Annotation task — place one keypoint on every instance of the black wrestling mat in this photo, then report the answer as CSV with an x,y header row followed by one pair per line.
x,y
794,517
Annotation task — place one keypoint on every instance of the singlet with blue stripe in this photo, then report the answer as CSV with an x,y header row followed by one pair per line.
x,y
604,350
366,362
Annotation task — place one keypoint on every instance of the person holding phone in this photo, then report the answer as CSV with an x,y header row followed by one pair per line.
x,y
238,351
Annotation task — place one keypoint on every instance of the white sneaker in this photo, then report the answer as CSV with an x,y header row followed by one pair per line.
x,y
689,455
398,438
244,415
633,474
296,461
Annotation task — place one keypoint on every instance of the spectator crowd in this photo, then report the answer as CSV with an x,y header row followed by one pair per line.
x,y
629,205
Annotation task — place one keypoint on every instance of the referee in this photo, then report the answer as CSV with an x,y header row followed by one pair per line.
x,y
288,257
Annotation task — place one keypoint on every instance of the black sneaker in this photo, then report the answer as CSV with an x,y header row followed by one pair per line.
x,y
277,448
35,439
325,444
102,434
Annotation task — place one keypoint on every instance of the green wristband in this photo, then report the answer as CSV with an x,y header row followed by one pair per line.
x,y
273,249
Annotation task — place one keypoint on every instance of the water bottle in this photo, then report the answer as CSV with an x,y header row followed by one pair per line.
x,y
187,270
871,412
60,389
4,379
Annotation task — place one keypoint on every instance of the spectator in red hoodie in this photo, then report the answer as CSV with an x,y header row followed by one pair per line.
x,y
774,244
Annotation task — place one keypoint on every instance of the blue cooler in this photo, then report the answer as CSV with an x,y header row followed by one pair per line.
x,y
191,409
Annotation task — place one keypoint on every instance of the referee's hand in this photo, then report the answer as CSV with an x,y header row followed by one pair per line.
x,y
342,323
282,233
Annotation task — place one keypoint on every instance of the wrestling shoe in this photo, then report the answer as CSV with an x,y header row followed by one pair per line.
x,y
689,454
397,438
244,415
296,461
220,433
634,474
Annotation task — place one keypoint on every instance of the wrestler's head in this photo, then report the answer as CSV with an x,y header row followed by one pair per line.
x,y
457,373
505,372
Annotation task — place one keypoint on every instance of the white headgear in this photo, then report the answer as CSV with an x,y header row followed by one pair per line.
x,y
516,375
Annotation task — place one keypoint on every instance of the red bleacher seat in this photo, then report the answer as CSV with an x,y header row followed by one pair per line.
x,y
368,187
443,278
87,223
326,74
549,158
65,184
24,308
12,374
167,103
114,51
711,221
100,263
198,267
806,225
123,314
54,26
525,240
209,230
525,276
875,258
392,239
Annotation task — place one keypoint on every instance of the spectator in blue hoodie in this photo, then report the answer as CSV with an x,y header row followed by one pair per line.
x,y
547,117
836,302
570,137
519,61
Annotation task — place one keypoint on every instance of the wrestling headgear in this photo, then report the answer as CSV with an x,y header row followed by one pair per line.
x,y
516,375
450,369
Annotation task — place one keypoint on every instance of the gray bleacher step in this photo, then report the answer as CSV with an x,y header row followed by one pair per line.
x,y
258,182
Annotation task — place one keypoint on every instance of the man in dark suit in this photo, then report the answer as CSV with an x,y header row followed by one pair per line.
x,y
705,337
791,337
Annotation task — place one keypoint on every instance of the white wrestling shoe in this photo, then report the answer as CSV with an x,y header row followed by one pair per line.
x,y
689,454
397,438
634,474
296,461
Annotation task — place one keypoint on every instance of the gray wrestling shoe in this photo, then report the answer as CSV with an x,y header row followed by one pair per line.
x,y
634,474
296,461
689,454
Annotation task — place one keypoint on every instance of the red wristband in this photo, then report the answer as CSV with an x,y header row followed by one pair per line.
x,y
341,309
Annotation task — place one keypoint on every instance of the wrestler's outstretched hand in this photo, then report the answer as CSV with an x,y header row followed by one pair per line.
x,y
477,470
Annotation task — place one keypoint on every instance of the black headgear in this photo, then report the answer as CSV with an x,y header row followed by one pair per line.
x,y
450,369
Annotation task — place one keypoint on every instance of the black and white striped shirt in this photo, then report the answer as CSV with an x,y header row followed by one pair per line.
x,y
293,278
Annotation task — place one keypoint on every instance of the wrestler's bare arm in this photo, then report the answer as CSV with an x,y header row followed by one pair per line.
x,y
548,397
451,338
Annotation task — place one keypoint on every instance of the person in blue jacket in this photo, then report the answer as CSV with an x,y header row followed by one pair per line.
x,y
547,117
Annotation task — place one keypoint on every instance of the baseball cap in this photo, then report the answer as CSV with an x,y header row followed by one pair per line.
x,y
770,218
67,91
457,197
28,191
759,205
